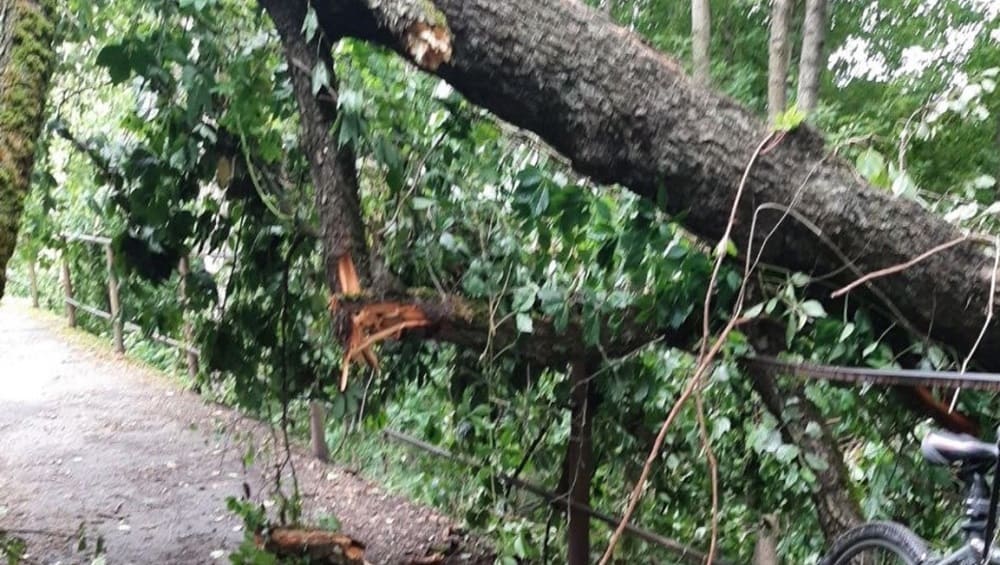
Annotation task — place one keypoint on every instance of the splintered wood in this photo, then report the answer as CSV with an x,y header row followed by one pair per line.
x,y
372,323
320,546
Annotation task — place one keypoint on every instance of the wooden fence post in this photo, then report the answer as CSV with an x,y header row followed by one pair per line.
x,y
116,314
317,430
192,359
33,281
68,291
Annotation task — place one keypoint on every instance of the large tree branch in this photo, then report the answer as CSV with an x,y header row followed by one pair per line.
x,y
623,112
470,324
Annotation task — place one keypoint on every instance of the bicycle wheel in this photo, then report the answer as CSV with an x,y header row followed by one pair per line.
x,y
877,543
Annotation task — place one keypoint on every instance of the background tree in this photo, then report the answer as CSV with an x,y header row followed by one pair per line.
x,y
27,32
812,60
701,40
778,53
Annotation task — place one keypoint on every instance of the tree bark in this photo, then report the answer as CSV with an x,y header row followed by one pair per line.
x,y
803,425
622,112
456,320
812,60
777,66
332,168
27,31
701,41
579,468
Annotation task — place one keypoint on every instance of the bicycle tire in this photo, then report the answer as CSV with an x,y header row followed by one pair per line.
x,y
891,537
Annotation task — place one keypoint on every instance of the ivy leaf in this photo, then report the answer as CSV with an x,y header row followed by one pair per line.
x,y
786,453
524,323
311,24
524,298
871,164
320,77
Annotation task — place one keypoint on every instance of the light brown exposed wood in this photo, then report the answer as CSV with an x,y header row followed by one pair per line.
x,y
320,546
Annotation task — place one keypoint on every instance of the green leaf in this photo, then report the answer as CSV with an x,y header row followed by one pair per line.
x,y
847,332
310,24
540,201
524,323
320,77
813,309
789,119
115,59
420,203
786,453
871,164
754,311
524,298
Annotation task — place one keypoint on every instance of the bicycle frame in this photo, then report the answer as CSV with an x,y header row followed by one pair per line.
x,y
978,546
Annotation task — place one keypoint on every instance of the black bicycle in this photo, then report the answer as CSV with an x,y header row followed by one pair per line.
x,y
890,543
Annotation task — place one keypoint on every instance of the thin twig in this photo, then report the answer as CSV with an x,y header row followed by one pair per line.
x,y
704,361
900,267
989,318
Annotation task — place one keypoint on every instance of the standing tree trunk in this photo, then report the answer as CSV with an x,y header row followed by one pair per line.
x,y
579,469
701,40
813,58
777,65
27,30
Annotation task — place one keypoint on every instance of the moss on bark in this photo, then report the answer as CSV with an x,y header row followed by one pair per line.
x,y
27,30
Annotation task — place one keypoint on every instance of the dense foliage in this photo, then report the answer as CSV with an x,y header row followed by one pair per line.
x,y
173,130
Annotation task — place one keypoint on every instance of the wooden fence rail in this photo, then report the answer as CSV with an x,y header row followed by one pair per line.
x,y
118,325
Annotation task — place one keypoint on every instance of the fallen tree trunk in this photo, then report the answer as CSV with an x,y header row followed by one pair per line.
x,y
27,30
625,113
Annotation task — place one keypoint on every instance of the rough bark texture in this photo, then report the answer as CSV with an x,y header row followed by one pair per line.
x,y
837,511
332,169
27,31
622,112
812,60
701,41
803,425
777,66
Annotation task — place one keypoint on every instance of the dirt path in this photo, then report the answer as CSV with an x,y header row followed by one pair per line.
x,y
86,437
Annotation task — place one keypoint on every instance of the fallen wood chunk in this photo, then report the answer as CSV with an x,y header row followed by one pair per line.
x,y
320,546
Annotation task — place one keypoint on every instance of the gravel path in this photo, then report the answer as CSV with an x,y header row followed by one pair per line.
x,y
87,437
